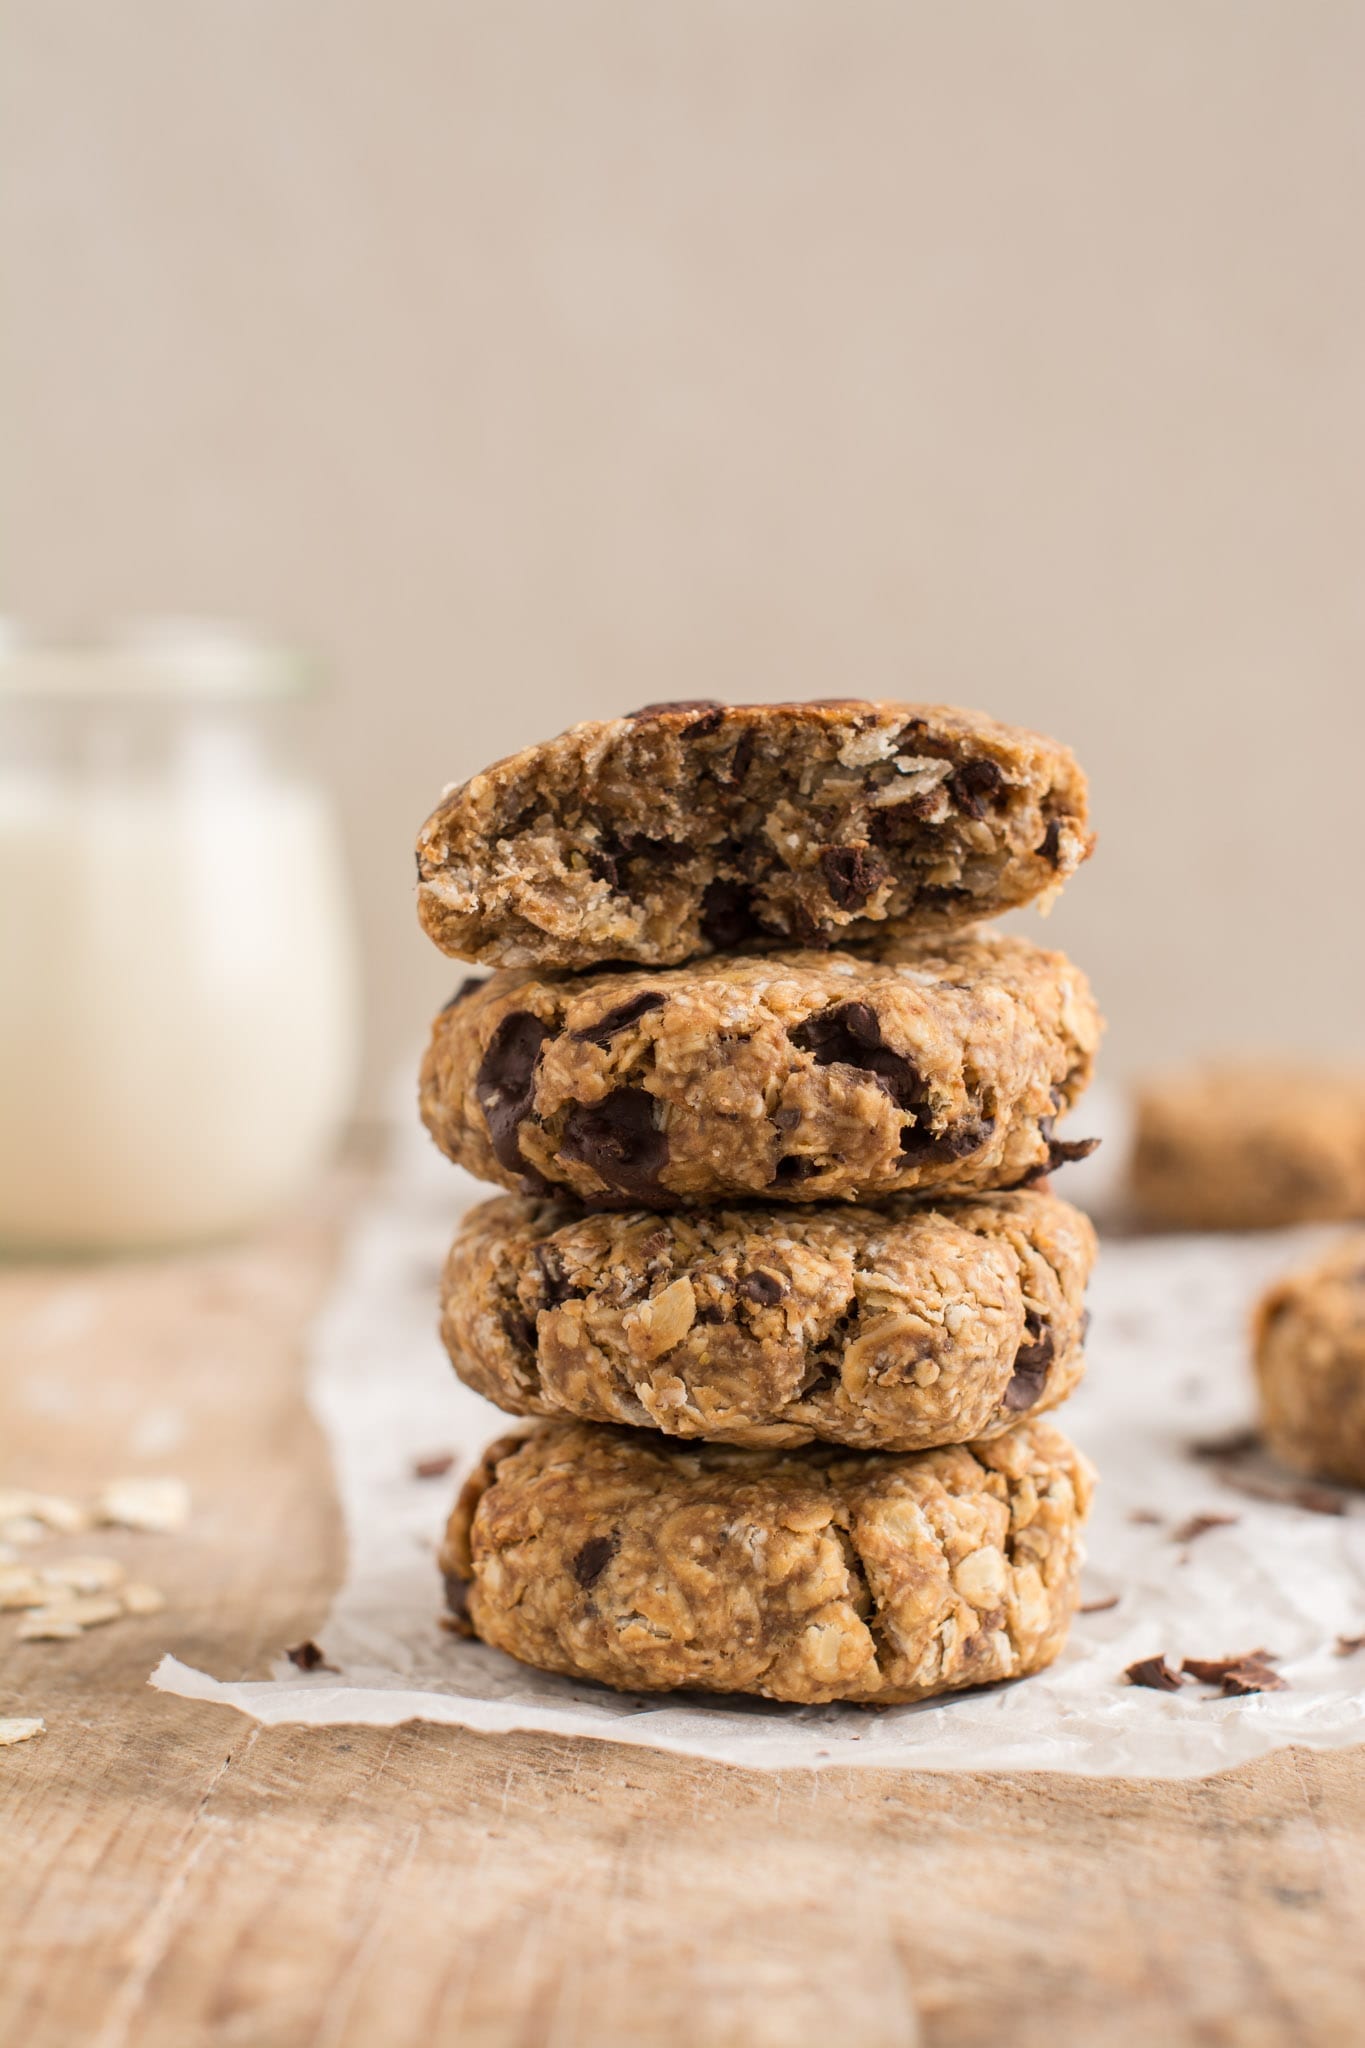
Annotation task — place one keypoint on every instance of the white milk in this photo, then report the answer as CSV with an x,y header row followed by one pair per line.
x,y
177,1004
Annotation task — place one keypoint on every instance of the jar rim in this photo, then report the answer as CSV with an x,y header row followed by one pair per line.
x,y
171,660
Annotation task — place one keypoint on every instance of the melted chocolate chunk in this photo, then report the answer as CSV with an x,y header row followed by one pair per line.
x,y
974,784
1031,1363
505,1084
1049,847
616,1020
850,1035
764,1288
466,988
727,915
851,874
617,1139
602,865
593,1559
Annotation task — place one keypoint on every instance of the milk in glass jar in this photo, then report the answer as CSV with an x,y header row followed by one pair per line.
x,y
178,1001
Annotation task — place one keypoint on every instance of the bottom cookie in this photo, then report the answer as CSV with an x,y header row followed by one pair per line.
x,y
808,1575
1310,1365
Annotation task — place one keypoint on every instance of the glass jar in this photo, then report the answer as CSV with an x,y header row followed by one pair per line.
x,y
178,992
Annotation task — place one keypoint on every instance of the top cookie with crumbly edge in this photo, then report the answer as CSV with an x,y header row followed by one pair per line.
x,y
699,827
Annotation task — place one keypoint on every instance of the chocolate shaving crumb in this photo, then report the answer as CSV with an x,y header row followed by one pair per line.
x,y
434,1467
1154,1673
1235,1443
306,1656
1237,1676
1287,1493
1199,1525
1099,1606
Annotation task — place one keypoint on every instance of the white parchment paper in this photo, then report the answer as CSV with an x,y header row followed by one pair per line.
x,y
1168,1367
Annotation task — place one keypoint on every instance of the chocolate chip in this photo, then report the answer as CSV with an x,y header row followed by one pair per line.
x,y
602,866
711,1312
764,1288
1031,1364
942,895
618,1140
554,1286
593,1559
1155,1673
794,1166
1049,847
727,914
520,1330
505,1083
741,759
851,874
963,1138
616,1020
786,1119
660,853
1060,1151
974,783
466,988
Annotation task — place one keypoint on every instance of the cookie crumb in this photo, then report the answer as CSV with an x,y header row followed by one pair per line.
x,y
1144,1518
1346,1646
1155,1674
1099,1606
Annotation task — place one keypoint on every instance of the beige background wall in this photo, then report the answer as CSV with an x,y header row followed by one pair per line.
x,y
536,360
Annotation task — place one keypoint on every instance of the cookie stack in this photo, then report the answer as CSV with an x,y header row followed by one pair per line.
x,y
782,1269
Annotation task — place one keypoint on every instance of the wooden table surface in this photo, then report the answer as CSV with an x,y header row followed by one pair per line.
x,y
172,1876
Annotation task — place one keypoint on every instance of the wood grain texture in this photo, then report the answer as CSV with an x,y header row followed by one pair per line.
x,y
173,1877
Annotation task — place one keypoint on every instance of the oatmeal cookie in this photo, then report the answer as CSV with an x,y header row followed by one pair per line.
x,y
1310,1365
701,827
809,1575
893,1329
918,1064
1248,1146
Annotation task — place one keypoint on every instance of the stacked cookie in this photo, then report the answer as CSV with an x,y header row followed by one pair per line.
x,y
782,1271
